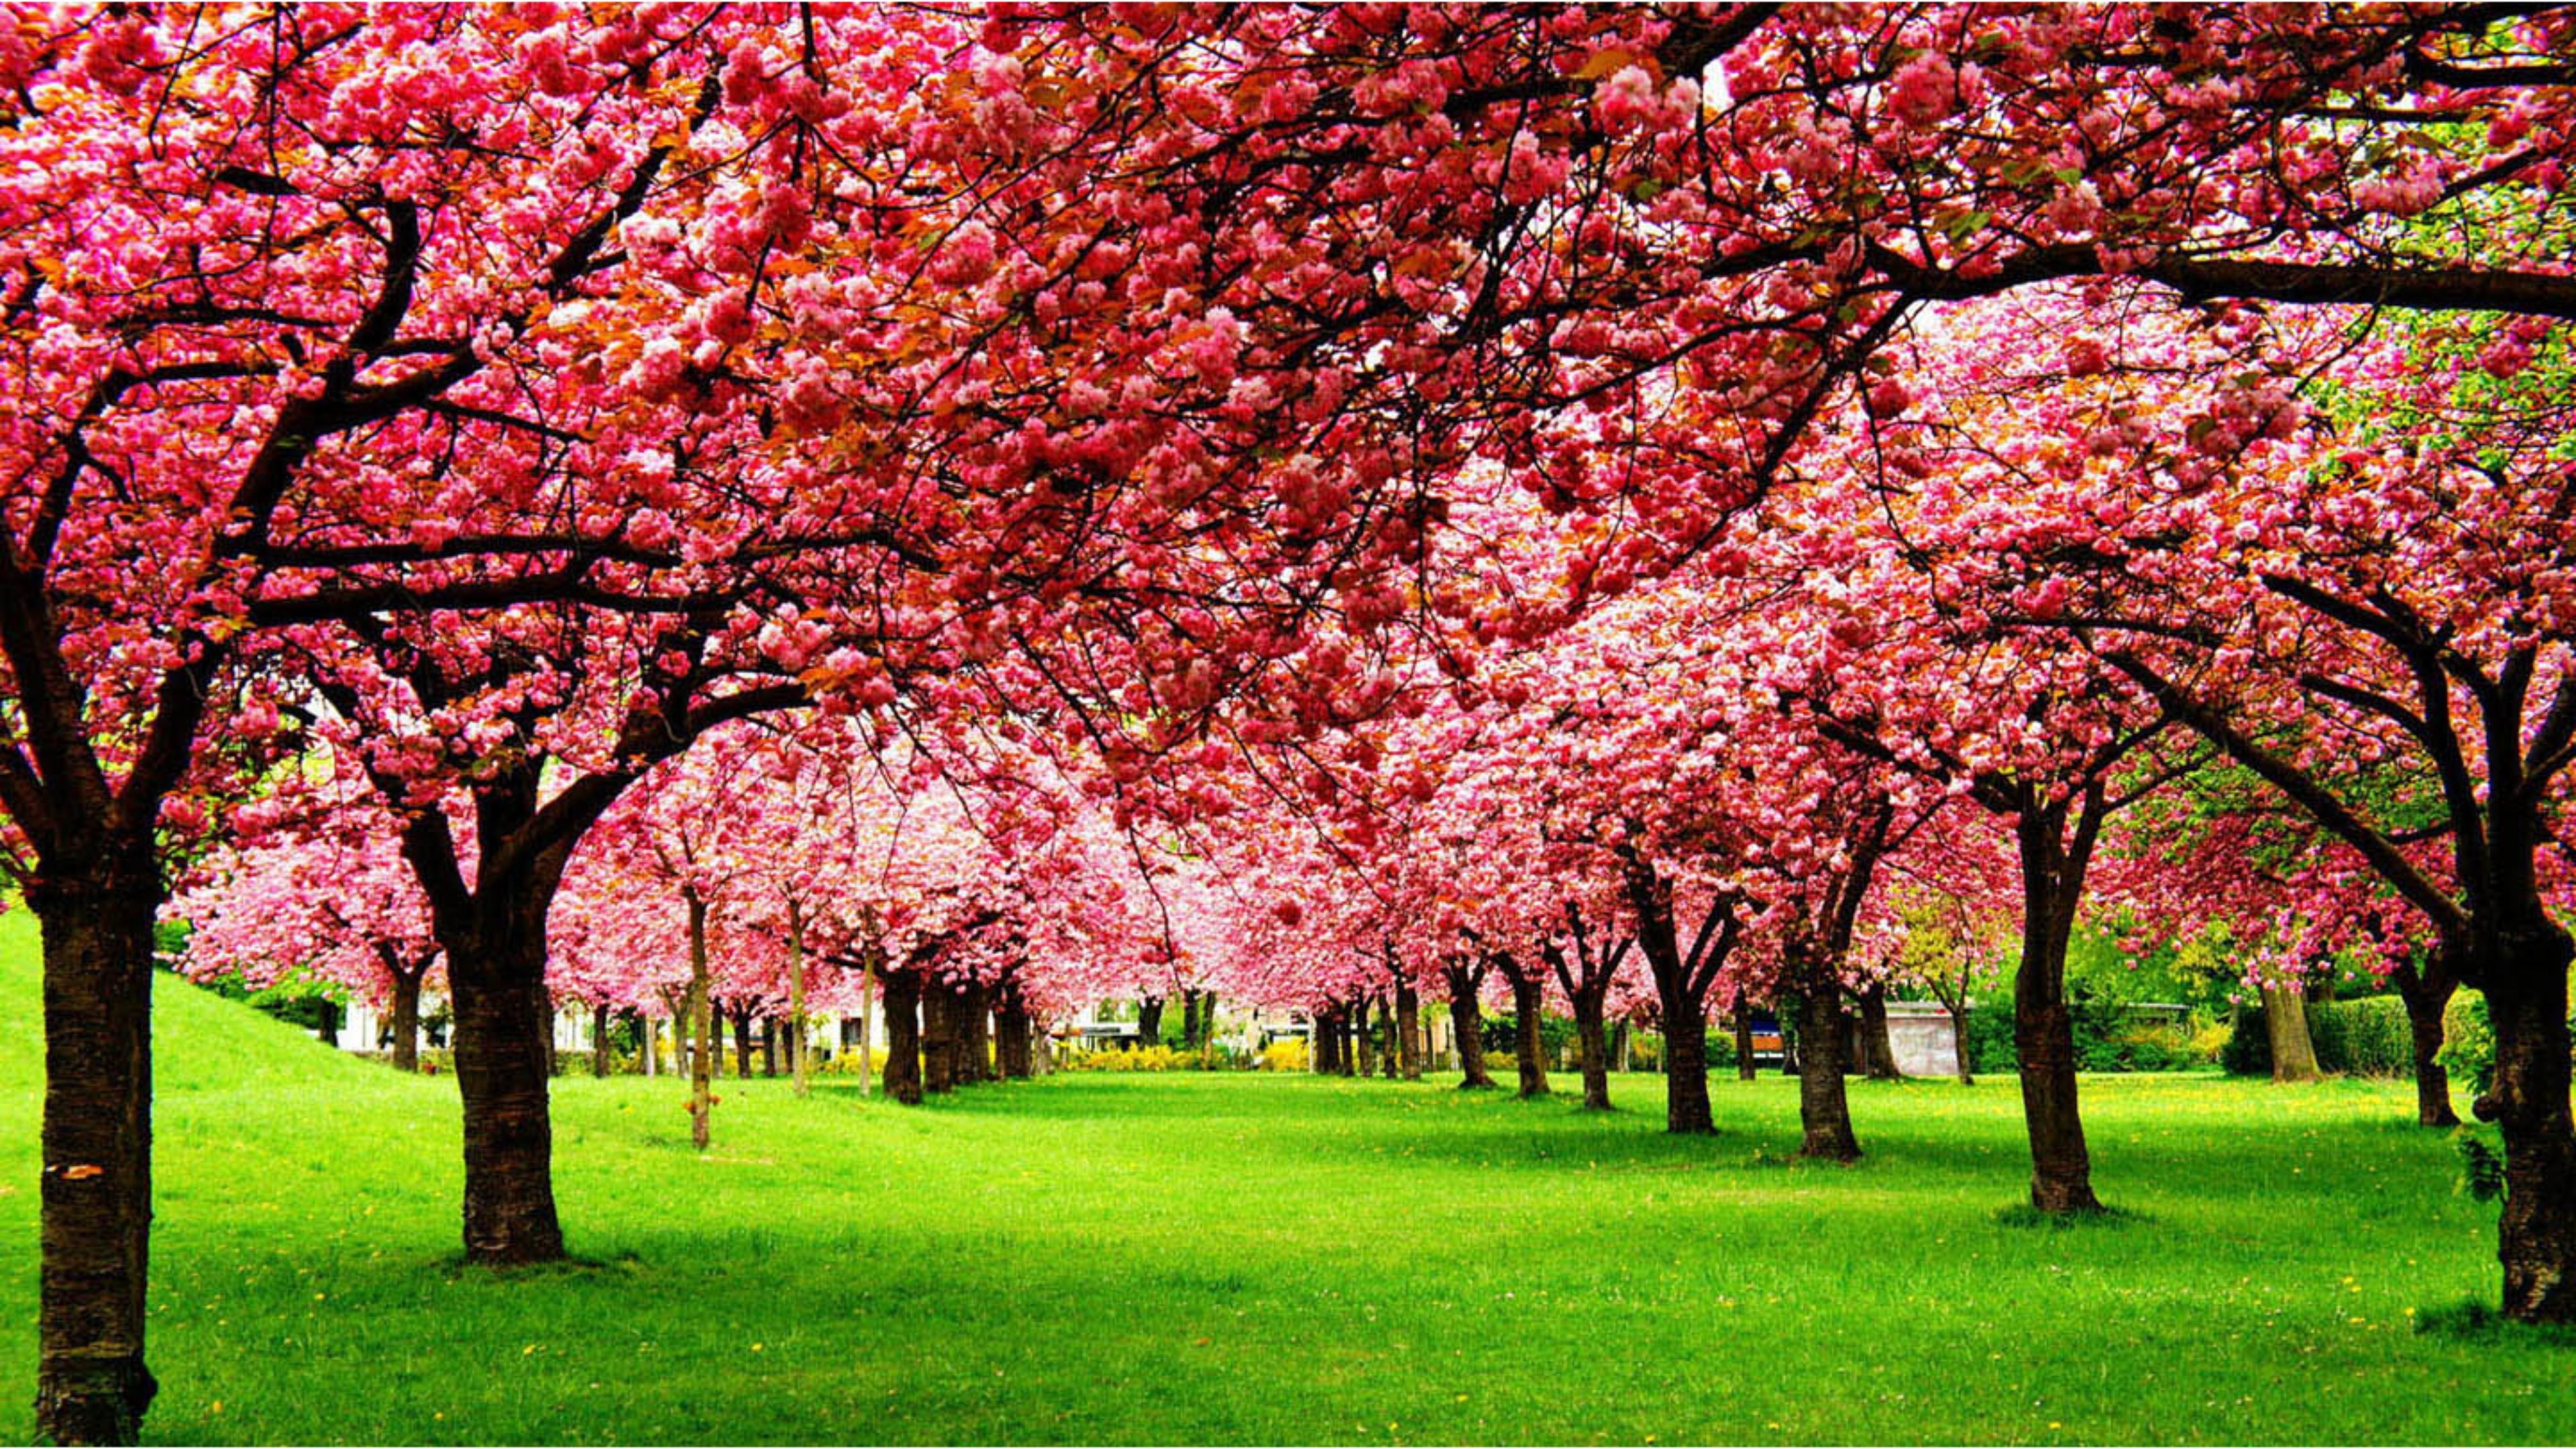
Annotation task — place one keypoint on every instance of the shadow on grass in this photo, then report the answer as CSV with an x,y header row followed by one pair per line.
x,y
455,1267
2476,1322
2023,1215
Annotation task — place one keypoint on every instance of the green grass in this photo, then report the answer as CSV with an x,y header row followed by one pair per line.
x,y
1224,1258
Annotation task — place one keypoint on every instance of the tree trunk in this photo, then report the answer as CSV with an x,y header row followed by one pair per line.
x,y
1686,1105
1408,1030
1364,1038
406,1014
702,1035
974,1033
648,1043
1325,1041
871,968
938,1036
2432,1079
95,1210
503,1042
2043,1028
1882,1051
1959,1046
740,1018
1388,1046
2536,1236
1149,1021
1355,1038
599,1055
902,995
1592,1051
1529,1049
1467,1023
1010,1032
2285,1021
1823,1110
1745,1071
797,1044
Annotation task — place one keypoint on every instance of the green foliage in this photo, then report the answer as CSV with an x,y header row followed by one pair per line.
x,y
2481,1165
2248,1052
1555,1035
2468,1043
1990,1039
2108,1038
2369,1037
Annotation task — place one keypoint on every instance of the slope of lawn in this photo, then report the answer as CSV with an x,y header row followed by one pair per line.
x,y
1255,1258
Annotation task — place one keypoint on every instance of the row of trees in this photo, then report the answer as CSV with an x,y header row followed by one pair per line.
x,y
1591,478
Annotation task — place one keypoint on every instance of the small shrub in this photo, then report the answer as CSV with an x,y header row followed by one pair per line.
x,y
1288,1054
1990,1040
2209,1039
1646,1051
1157,1059
2468,1043
2248,1052
2369,1037
2481,1165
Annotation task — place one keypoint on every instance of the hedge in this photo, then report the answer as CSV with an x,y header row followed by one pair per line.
x,y
2367,1037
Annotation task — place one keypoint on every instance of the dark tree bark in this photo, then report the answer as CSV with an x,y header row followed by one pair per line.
x,y
1529,1049
2426,994
902,1003
769,1046
1686,1102
1684,975
2052,873
1149,1021
1743,1018
1585,977
404,993
2527,1007
1408,1029
599,1051
939,1054
1882,1051
95,1212
1824,1112
1467,1022
739,1014
1592,1052
1387,1047
974,1018
1325,1041
1959,1044
1012,1030
1364,1037
496,959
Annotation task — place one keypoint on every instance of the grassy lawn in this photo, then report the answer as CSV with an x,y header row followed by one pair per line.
x,y
1214,1259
